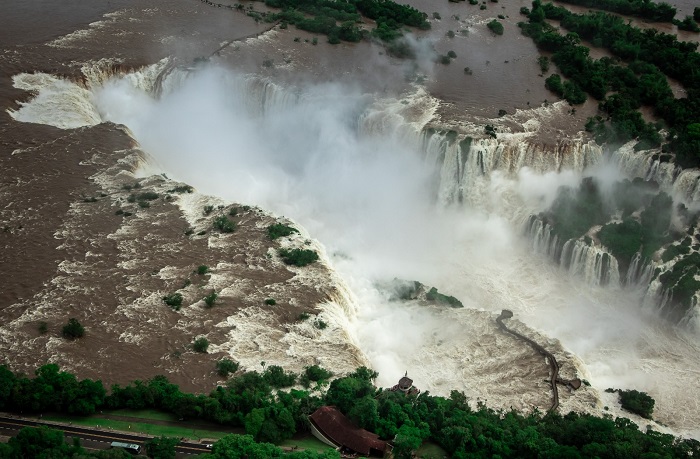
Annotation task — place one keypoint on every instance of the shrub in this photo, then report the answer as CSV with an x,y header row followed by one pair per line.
x,y
174,300
43,327
144,204
73,329
277,230
201,345
316,373
270,302
501,113
450,34
208,210
303,316
223,224
467,71
637,402
495,27
298,257
224,367
320,324
147,196
444,60
276,377
210,299
451,54
181,189
437,16
490,131
202,269
233,211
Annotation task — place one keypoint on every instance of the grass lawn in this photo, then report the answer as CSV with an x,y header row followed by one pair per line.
x,y
143,414
429,450
306,442
139,427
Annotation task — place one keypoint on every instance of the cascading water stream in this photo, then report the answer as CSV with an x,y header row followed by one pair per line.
x,y
363,177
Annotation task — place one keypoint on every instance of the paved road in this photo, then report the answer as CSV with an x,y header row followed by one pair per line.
x,y
11,424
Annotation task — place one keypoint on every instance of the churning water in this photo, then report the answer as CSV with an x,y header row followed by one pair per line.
x,y
389,200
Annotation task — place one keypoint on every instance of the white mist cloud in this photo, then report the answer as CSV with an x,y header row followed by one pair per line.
x,y
368,194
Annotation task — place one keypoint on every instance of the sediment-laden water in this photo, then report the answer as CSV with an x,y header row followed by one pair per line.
x,y
389,198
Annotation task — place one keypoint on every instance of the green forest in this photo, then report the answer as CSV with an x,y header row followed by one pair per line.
x,y
323,16
273,405
642,227
635,77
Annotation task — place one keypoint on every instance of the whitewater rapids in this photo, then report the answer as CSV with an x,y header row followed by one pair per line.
x,y
382,196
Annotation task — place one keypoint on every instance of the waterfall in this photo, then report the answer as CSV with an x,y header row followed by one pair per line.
x,y
640,271
544,241
591,262
652,165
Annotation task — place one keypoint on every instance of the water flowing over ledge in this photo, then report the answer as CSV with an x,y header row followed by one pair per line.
x,y
486,190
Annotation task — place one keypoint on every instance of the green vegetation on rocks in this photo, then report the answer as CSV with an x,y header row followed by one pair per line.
x,y
323,16
495,26
298,257
637,76
277,230
225,367
73,329
201,345
636,402
174,300
223,224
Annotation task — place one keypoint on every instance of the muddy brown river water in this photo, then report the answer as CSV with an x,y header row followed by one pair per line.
x,y
67,253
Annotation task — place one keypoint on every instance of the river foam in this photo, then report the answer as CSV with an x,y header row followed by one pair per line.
x,y
363,177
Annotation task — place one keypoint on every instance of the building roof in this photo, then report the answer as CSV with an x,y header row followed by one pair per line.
x,y
333,424
405,382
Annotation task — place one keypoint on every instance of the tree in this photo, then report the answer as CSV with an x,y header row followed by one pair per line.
x,y
243,447
224,367
40,442
495,26
73,329
365,413
161,447
298,257
407,440
201,344
7,382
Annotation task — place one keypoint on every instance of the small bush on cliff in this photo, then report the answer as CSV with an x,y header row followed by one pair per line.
x,y
636,402
210,299
277,230
298,257
223,224
201,345
73,329
495,27
174,300
224,367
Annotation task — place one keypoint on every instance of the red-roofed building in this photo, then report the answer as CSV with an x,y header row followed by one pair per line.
x,y
332,427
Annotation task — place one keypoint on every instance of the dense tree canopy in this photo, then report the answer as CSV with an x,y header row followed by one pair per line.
x,y
323,16
636,77
407,420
